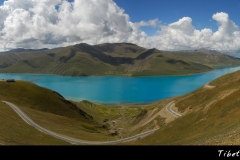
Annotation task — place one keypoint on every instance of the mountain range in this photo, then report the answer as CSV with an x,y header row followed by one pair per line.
x,y
125,59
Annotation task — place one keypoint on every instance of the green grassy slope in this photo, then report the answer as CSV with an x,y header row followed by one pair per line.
x,y
210,117
99,112
14,131
29,95
158,63
11,57
51,111
81,120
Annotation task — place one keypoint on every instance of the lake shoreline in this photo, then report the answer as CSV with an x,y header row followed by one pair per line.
x,y
213,68
134,104
121,90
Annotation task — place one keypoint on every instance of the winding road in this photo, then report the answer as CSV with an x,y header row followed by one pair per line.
x,y
169,109
73,140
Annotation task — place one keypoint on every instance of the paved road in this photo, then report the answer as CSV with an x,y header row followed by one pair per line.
x,y
171,111
69,139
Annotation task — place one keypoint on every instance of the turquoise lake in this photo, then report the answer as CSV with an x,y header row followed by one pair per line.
x,y
120,89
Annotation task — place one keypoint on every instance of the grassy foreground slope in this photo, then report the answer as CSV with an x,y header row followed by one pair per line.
x,y
48,109
81,120
14,131
32,96
210,116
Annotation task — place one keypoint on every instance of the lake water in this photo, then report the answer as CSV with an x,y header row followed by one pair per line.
x,y
120,89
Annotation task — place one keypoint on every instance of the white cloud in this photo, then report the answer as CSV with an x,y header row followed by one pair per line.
x,y
183,35
36,24
152,23
226,27
184,25
40,24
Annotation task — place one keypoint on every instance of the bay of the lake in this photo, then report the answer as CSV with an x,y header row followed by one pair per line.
x,y
121,89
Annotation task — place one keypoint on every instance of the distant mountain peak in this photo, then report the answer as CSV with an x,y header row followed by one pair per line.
x,y
204,50
26,50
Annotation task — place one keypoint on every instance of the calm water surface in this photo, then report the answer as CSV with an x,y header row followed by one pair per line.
x,y
120,89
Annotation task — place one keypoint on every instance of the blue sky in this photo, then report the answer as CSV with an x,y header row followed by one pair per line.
x,y
162,24
168,11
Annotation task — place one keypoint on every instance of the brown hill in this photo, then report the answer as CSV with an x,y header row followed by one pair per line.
x,y
111,59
